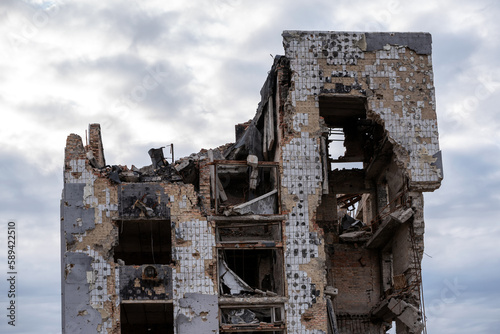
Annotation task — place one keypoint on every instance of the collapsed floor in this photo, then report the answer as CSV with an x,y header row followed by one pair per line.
x,y
311,222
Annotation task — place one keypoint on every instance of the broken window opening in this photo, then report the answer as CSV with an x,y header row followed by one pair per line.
x,y
252,319
147,318
251,272
255,233
337,151
350,202
246,188
355,151
348,130
143,242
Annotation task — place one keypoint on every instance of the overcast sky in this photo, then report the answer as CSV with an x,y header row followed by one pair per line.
x,y
65,64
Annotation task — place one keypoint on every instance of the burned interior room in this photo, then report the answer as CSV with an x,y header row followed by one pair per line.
x,y
311,222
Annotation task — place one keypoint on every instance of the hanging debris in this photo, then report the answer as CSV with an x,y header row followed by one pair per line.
x,y
350,224
263,205
232,281
239,316
157,158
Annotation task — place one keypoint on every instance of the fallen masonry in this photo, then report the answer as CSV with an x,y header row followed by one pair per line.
x,y
310,222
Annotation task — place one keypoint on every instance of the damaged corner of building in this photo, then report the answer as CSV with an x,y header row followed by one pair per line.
x,y
310,222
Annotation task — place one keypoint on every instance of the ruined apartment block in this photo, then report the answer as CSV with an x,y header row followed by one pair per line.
x,y
311,222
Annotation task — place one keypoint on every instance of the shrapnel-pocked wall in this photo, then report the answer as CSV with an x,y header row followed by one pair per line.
x,y
274,233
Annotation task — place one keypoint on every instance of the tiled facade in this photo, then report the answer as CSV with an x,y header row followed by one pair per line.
x,y
250,236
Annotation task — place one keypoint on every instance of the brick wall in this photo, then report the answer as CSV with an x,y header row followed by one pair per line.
x,y
355,273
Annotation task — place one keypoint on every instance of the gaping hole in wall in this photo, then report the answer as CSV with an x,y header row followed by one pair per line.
x,y
143,242
340,156
347,134
264,233
147,318
250,272
252,319
350,137
348,205
246,188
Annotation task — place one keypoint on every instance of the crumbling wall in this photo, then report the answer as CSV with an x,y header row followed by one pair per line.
x,y
195,269
95,152
194,275
392,75
301,191
96,202
393,72
283,184
86,238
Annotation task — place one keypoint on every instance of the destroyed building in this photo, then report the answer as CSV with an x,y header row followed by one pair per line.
x,y
311,222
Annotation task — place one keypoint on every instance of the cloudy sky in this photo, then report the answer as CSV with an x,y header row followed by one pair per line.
x,y
184,72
